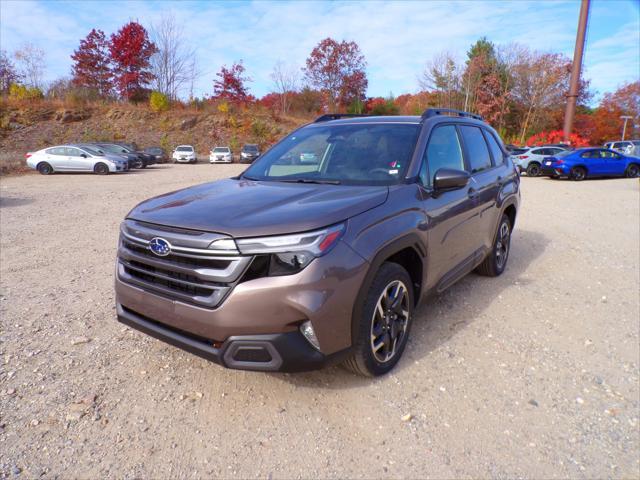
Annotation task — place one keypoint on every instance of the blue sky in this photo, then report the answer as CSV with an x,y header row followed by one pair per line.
x,y
397,38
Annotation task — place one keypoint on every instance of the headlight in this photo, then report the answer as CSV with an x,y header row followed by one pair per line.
x,y
288,254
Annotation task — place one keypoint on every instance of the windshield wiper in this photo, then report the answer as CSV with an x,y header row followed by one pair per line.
x,y
309,180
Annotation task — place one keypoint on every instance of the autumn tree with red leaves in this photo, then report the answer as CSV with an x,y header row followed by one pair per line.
x,y
131,51
338,69
92,64
556,136
230,84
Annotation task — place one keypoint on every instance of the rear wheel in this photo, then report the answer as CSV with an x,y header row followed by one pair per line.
x,y
496,261
383,329
633,171
101,169
533,170
44,168
578,174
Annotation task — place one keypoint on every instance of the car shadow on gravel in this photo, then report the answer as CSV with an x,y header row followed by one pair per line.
x,y
6,202
441,317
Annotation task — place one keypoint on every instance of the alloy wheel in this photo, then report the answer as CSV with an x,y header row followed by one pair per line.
x,y
502,245
390,321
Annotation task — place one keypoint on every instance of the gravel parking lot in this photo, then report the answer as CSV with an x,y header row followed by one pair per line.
x,y
532,374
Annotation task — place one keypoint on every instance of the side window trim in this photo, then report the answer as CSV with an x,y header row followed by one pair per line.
x,y
465,151
487,134
425,147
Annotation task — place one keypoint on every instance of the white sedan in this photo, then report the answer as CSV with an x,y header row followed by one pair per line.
x,y
75,158
184,154
220,155
530,161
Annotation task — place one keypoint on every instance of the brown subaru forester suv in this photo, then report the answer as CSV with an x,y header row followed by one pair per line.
x,y
322,249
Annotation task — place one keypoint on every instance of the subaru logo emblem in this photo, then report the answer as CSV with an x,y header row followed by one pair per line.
x,y
160,246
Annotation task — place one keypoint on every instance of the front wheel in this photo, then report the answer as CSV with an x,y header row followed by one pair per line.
x,y
383,329
533,170
496,261
101,169
578,174
633,171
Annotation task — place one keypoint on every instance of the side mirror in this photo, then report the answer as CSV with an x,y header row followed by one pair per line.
x,y
83,155
450,179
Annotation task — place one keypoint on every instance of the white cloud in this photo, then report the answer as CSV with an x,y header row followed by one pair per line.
x,y
397,38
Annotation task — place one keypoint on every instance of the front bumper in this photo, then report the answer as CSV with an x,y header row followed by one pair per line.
x,y
284,352
262,309
185,160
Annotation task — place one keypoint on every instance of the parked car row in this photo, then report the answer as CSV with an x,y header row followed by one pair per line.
x,y
218,154
101,158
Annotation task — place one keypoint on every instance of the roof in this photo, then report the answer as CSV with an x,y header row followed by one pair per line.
x,y
374,119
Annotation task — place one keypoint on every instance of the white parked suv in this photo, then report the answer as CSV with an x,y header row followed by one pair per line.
x,y
626,147
530,161
220,155
75,158
184,154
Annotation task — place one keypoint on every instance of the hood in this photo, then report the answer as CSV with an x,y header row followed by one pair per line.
x,y
243,208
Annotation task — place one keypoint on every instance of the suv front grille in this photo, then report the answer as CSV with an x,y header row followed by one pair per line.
x,y
191,273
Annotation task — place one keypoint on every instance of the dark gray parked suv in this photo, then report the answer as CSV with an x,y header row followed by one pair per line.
x,y
292,264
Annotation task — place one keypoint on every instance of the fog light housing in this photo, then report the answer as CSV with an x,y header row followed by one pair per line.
x,y
307,330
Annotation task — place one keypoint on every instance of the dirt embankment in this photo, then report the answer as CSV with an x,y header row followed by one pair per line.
x,y
28,127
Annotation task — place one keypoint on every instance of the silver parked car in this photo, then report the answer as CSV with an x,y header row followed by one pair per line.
x,y
75,158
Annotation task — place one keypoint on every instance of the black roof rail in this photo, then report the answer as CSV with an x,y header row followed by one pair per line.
x,y
336,116
432,112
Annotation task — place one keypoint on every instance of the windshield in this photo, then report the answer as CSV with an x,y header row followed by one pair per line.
x,y
93,151
184,149
250,148
111,148
220,150
636,143
356,154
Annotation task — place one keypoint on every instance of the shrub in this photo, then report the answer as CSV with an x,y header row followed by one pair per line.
x,y
223,107
22,92
158,102
259,129
164,142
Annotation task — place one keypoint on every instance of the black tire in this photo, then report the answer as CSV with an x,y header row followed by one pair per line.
x,y
101,169
137,163
393,325
44,168
533,169
495,263
633,170
143,164
578,174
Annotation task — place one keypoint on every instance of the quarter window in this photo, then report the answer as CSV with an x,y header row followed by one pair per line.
x,y
496,151
443,151
479,158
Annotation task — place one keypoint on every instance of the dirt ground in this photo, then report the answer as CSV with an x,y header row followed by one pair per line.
x,y
532,374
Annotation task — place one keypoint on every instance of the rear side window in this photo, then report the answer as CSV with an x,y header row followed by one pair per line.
x,y
56,151
496,151
479,158
443,151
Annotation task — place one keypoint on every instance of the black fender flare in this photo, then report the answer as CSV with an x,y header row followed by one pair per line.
x,y
411,240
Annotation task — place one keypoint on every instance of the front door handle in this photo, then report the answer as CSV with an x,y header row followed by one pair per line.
x,y
472,193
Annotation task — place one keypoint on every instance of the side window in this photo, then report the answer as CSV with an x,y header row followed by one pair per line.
x,y
72,152
539,151
443,151
56,151
479,158
496,151
591,154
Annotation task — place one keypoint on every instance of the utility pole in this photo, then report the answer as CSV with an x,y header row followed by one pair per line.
x,y
626,118
570,111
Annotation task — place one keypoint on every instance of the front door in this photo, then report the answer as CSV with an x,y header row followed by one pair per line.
x,y
77,161
451,215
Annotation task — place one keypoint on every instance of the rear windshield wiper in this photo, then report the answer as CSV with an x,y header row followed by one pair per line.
x,y
309,180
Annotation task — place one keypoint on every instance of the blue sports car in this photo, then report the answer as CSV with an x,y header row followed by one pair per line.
x,y
590,162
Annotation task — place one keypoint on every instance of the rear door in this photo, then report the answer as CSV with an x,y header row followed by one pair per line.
x,y
57,158
451,215
488,174
615,163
